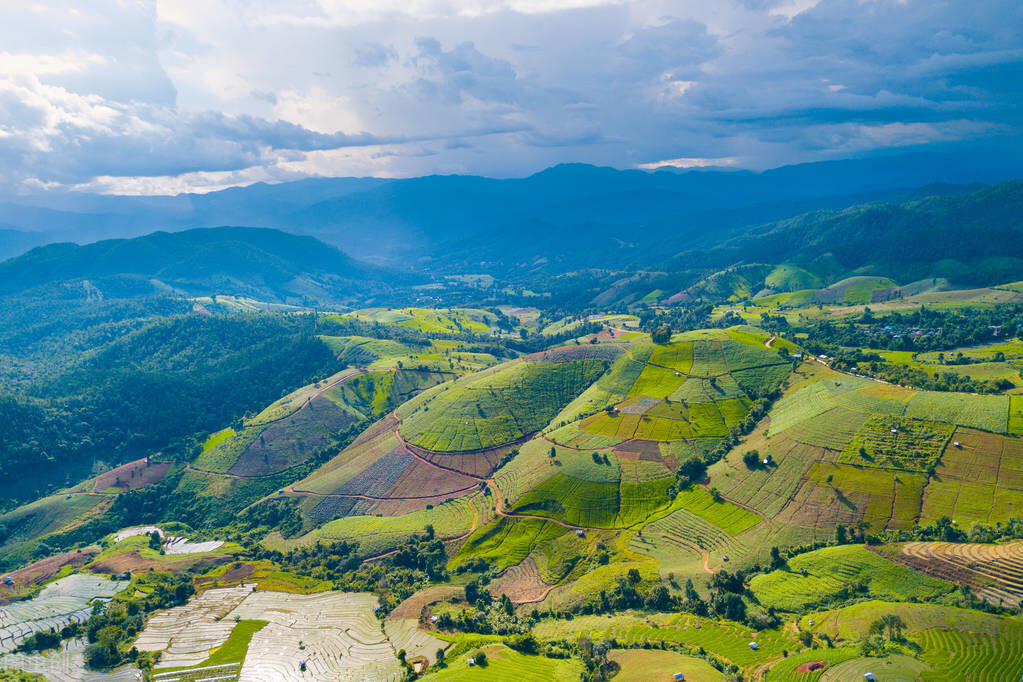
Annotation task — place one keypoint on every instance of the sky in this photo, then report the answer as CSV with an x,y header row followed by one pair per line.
x,y
138,97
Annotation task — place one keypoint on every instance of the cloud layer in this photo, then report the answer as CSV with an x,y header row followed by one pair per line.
x,y
196,94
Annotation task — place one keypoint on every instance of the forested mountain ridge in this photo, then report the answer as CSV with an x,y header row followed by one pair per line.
x,y
258,262
972,239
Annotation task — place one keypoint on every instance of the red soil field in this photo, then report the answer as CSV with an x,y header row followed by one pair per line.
x,y
133,475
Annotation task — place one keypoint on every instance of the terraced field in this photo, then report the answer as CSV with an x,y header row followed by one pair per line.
x,y
186,634
981,479
58,603
829,570
334,633
723,638
496,406
995,572
974,656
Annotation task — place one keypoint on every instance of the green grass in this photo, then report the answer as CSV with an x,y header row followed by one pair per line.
x,y
505,664
31,522
237,645
831,569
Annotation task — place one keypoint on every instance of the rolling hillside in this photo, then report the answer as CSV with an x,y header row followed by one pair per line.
x,y
258,263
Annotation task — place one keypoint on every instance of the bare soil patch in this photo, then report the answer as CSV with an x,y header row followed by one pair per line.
x,y
133,475
42,570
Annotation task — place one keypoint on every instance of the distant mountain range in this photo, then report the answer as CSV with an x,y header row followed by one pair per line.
x,y
424,221
261,263
620,235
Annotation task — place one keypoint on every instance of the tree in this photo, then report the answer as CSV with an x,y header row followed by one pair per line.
x,y
840,535
661,335
480,658
633,576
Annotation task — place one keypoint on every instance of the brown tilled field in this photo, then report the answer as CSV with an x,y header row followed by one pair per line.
x,y
521,582
134,562
480,464
133,475
42,570
423,480
994,572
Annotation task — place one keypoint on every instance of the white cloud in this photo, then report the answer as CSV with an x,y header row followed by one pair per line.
x,y
135,96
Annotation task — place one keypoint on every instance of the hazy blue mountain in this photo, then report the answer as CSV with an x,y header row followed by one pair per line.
x,y
400,221
258,262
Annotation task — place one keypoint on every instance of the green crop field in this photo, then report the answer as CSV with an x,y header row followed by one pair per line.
x,y
985,412
722,638
28,523
594,505
1015,423
831,569
507,541
496,407
642,665
892,442
785,670
675,356
505,664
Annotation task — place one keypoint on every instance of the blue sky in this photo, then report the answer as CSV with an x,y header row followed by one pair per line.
x,y
156,97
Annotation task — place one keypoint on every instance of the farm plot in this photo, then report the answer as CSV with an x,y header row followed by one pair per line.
x,y
186,634
1015,423
708,359
66,664
171,544
450,518
690,527
837,493
505,664
496,407
676,356
897,443
984,412
640,665
29,522
38,572
890,669
975,656
295,400
834,429
723,638
521,582
832,569
335,634
994,572
981,479
768,489
132,476
293,439
62,601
